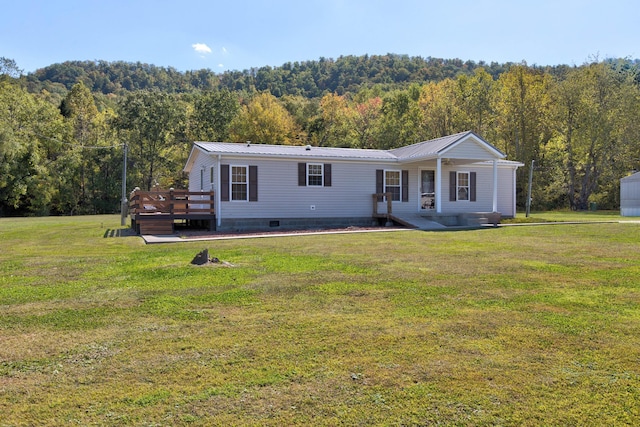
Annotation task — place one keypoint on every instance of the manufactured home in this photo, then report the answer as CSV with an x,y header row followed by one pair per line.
x,y
437,183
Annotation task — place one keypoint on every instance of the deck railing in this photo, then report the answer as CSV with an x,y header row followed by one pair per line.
x,y
175,202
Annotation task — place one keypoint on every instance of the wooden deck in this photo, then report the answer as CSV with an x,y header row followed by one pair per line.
x,y
156,212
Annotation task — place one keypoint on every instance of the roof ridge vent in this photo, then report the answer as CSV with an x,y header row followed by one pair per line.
x,y
308,148
248,143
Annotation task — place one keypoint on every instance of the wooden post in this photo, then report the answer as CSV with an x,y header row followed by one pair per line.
x,y
529,190
123,202
389,208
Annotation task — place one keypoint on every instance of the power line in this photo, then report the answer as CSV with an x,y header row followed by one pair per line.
x,y
90,147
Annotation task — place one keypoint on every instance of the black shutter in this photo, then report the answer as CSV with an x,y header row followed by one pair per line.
x,y
452,186
302,174
379,183
224,183
327,174
253,183
472,187
405,186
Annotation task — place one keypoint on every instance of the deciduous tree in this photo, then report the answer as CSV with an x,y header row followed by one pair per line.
x,y
30,131
213,112
366,120
596,109
153,124
333,126
263,120
522,126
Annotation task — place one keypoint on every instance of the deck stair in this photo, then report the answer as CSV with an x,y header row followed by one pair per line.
x,y
156,226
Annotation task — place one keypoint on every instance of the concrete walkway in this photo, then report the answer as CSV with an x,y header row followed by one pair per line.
x,y
417,221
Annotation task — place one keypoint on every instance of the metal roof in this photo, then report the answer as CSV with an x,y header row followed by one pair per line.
x,y
422,150
631,178
435,147
427,148
296,151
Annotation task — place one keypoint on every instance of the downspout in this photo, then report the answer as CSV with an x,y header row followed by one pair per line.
x,y
495,185
438,185
218,207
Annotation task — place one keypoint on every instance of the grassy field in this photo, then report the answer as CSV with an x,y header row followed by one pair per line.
x,y
521,325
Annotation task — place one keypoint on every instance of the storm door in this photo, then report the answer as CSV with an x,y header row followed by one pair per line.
x,y
427,190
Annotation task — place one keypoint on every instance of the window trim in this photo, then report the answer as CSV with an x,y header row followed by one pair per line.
x,y
459,187
232,182
303,174
399,186
308,175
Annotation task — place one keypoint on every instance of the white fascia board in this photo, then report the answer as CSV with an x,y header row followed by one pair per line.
x,y
195,150
479,141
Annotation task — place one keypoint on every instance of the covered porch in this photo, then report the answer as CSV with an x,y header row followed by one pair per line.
x,y
461,181
449,192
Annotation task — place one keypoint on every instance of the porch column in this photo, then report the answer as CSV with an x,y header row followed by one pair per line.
x,y
438,185
495,186
218,206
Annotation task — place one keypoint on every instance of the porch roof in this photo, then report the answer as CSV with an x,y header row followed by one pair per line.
x,y
438,147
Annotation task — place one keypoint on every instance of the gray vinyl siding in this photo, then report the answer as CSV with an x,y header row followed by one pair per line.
x,y
206,161
280,196
507,191
469,151
484,190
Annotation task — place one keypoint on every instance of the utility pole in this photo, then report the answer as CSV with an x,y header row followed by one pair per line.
x,y
123,204
529,192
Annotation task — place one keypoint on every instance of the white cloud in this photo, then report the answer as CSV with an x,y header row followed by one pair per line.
x,y
224,50
221,65
201,48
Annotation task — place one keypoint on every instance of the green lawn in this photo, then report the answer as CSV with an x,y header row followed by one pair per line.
x,y
528,325
570,216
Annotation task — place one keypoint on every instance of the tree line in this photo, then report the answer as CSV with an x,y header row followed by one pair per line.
x,y
307,78
61,153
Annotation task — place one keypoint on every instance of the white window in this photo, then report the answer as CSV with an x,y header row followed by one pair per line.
x,y
392,184
211,177
239,183
462,189
202,179
315,174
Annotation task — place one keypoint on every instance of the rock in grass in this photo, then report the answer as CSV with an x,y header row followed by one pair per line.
x,y
202,258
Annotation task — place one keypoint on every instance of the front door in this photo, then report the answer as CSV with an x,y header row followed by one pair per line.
x,y
427,190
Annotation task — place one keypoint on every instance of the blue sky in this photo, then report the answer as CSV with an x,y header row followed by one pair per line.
x,y
240,34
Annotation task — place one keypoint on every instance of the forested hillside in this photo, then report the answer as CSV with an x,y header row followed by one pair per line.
x,y
309,78
62,127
